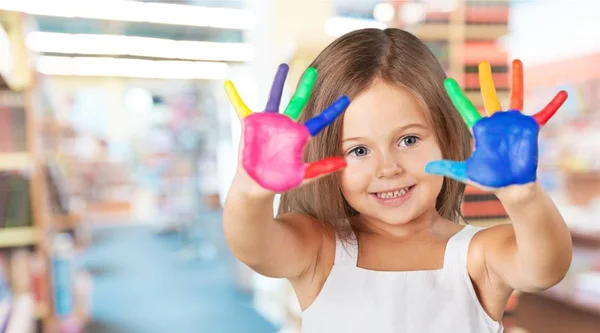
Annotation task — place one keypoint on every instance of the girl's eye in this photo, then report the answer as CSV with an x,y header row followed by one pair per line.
x,y
359,151
409,141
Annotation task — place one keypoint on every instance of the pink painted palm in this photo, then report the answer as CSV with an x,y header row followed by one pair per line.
x,y
274,143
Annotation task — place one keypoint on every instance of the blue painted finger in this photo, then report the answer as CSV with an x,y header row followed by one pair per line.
x,y
451,169
317,123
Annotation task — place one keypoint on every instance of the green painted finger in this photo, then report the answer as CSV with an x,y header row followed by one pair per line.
x,y
466,109
302,94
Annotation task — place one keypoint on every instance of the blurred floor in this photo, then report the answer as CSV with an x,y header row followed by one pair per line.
x,y
142,283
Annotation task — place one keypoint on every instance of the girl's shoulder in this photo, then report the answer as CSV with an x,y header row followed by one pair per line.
x,y
489,235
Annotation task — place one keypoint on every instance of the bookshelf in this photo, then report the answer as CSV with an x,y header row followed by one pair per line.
x,y
24,241
439,31
15,161
17,236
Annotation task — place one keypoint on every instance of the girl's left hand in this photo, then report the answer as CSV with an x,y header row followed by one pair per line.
x,y
506,142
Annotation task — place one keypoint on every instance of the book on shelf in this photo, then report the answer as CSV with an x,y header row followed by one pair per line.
x,y
15,200
5,294
478,51
501,81
500,74
58,188
441,51
12,129
481,206
15,287
476,12
12,122
487,12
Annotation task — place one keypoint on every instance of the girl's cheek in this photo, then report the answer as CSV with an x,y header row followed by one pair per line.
x,y
354,163
356,169
422,155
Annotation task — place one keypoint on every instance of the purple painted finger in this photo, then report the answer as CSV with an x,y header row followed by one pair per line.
x,y
277,89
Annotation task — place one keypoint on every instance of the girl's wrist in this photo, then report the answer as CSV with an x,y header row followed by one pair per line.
x,y
519,194
249,188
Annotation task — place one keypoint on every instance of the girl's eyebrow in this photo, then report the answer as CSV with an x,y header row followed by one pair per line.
x,y
397,130
409,126
352,139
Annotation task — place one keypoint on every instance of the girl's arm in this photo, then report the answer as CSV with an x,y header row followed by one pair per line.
x,y
271,161
282,247
534,253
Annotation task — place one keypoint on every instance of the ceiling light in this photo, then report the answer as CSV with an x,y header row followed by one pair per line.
x,y
136,11
116,45
133,68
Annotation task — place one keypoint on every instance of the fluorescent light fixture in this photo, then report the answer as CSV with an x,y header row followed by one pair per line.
x,y
133,68
135,11
116,45
337,26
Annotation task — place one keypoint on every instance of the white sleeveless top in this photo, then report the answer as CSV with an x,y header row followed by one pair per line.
x,y
355,300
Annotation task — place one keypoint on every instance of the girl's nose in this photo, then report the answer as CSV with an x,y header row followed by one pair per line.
x,y
389,167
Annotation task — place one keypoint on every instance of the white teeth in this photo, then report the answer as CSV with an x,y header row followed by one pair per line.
x,y
394,194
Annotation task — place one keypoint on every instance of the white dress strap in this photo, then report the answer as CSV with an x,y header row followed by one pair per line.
x,y
346,253
457,248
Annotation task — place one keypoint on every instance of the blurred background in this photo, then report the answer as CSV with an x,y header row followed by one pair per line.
x,y
118,145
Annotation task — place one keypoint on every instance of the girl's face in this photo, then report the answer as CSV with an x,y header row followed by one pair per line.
x,y
387,141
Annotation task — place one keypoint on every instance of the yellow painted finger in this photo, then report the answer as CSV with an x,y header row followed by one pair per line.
x,y
236,101
488,91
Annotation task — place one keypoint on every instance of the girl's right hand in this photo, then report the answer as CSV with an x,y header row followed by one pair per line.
x,y
273,143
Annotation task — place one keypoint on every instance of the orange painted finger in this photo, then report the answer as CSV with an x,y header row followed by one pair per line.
x,y
516,96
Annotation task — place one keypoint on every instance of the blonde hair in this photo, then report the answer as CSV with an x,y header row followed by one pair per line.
x,y
350,65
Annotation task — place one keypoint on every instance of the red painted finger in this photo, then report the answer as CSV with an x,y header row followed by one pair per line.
x,y
549,110
324,167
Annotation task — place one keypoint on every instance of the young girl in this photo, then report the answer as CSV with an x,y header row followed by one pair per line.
x,y
376,246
